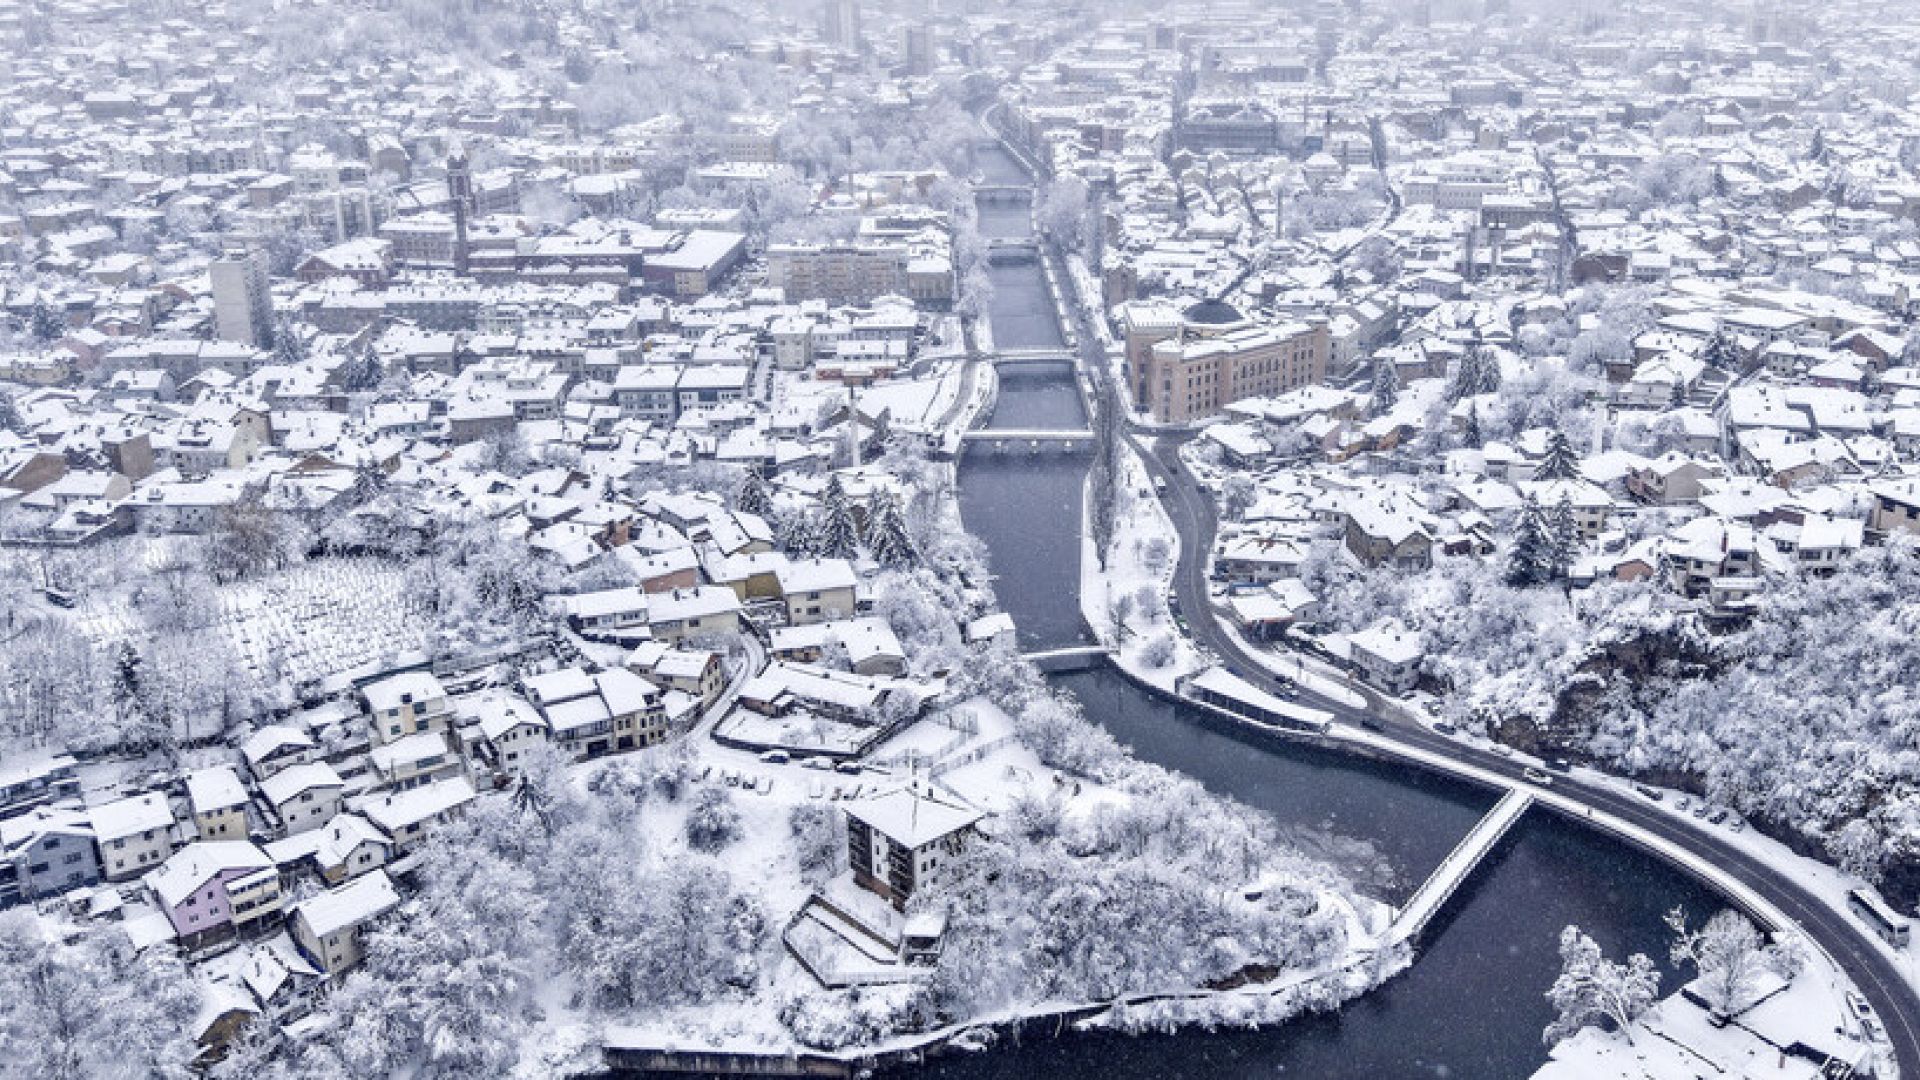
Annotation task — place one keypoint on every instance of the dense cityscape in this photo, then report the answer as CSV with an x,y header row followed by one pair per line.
x,y
605,538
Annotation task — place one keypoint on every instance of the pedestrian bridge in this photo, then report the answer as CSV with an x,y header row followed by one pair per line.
x,y
1002,195
1031,441
1006,252
1074,658
1460,863
1006,358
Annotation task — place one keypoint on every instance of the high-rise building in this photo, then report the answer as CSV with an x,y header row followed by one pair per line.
x,y
919,49
460,191
840,24
242,304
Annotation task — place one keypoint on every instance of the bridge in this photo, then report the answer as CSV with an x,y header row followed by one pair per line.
x,y
1032,441
1460,863
1008,251
1002,195
1072,658
1006,358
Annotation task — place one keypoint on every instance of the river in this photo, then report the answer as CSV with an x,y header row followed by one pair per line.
x,y
1472,1005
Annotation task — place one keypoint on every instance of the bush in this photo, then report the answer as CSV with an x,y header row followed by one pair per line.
x,y
713,822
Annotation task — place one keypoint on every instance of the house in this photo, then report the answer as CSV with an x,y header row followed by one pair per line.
x,y
606,609
411,760
276,747
685,613
406,704
304,796
1896,507
219,804
1672,479
1388,656
817,590
509,728
328,928
345,847
210,890
46,852
902,842
868,644
406,816
135,834
1380,535
784,688
699,672
29,779
589,715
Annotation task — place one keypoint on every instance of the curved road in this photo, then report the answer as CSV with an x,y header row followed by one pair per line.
x,y
1876,976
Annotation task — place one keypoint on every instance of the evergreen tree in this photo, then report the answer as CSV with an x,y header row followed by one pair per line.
x,y
751,497
839,532
1471,437
10,415
1817,149
887,535
1487,371
289,347
1563,537
1719,353
1530,558
1386,385
46,323
1561,462
1466,376
795,534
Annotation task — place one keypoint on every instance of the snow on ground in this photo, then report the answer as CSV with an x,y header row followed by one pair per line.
x,y
1677,1040
1140,566
314,620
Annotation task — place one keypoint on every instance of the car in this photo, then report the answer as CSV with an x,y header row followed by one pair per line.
x,y
1501,749
1160,485
1446,728
1719,815
1538,776
1651,793
1738,824
58,598
1684,804
1371,722
1700,810
849,768
776,757
1560,765
1861,1009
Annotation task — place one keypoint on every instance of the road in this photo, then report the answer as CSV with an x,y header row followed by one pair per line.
x,y
1843,937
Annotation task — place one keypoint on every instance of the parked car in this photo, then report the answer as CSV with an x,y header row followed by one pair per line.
x,y
1560,765
1650,793
1538,777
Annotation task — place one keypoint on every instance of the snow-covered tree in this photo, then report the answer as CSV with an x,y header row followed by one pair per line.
x,y
91,1006
887,537
1592,988
751,496
839,535
713,822
1719,352
1562,461
1470,435
1530,557
1563,537
1727,954
1386,385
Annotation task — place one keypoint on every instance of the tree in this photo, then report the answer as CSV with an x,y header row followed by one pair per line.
x,y
1727,955
1478,373
1530,558
1386,385
887,537
46,324
10,419
1561,462
1719,353
839,536
795,534
1563,538
713,822
92,1006
1238,493
289,346
751,496
1470,435
1592,988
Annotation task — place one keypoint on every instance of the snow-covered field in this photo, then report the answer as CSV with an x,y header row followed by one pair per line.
x,y
1126,604
315,620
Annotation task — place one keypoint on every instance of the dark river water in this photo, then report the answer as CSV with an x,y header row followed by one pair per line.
x,y
1472,1006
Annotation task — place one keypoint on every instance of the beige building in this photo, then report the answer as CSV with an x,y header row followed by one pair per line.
x,y
1188,365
